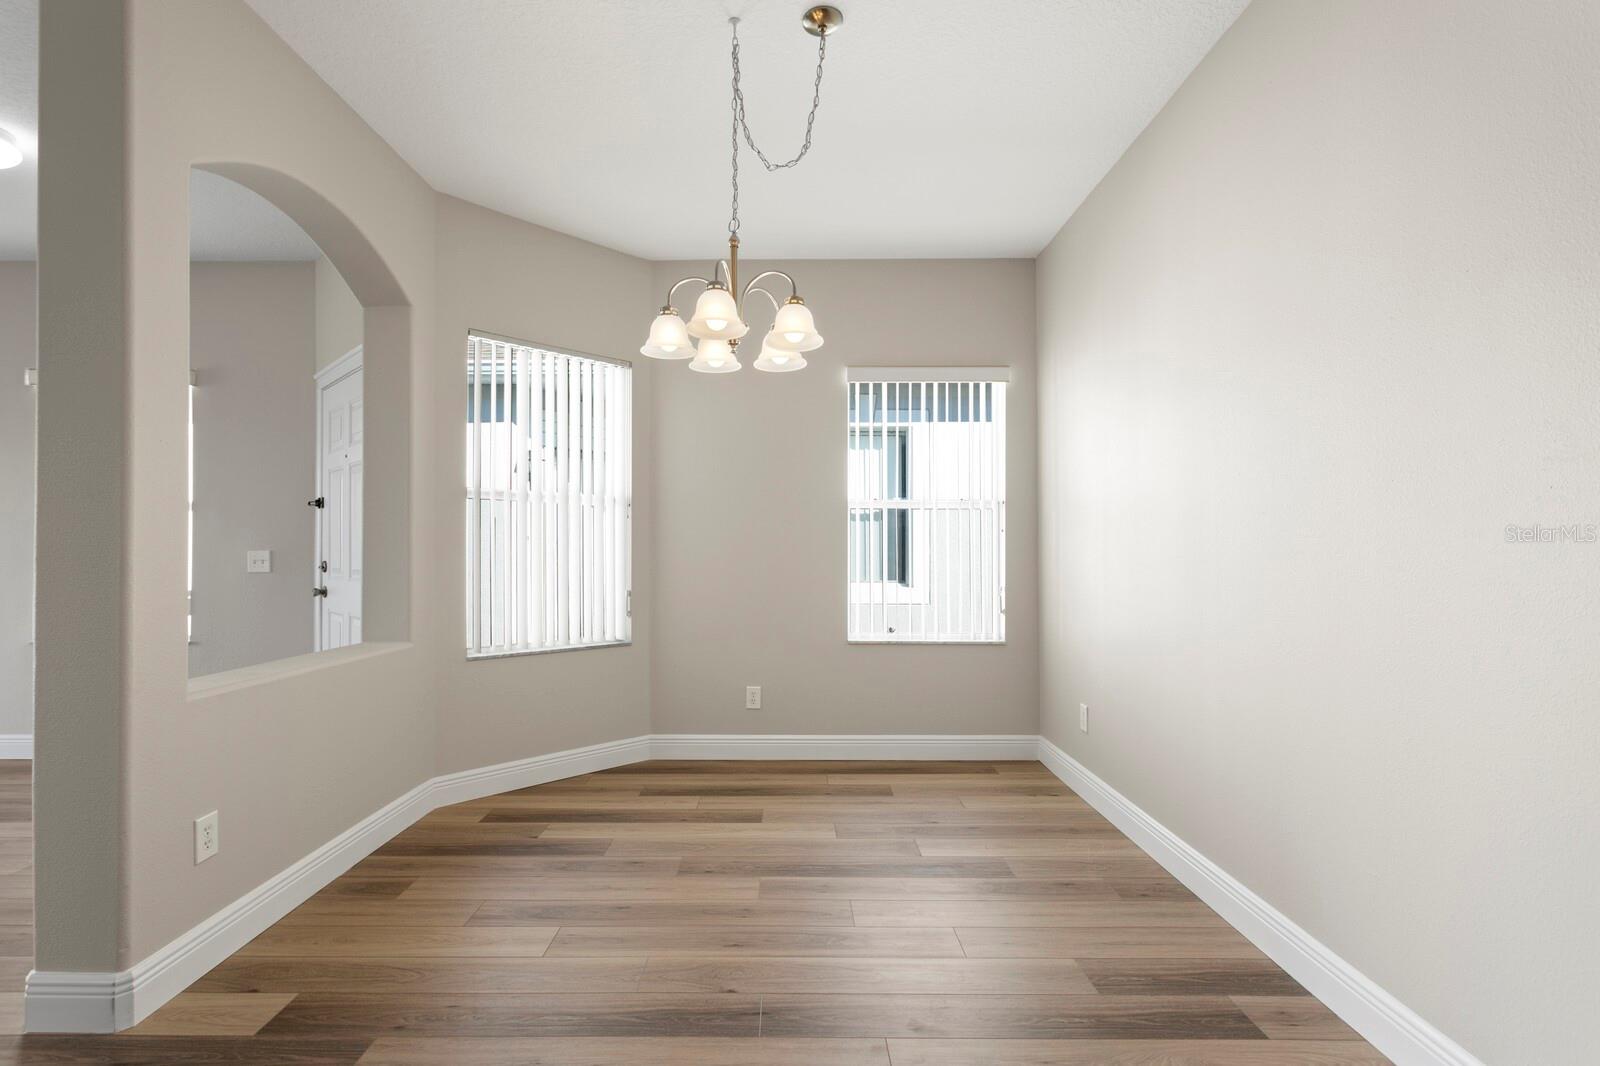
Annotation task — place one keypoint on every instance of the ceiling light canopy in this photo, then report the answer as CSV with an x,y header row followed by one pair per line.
x,y
719,319
10,153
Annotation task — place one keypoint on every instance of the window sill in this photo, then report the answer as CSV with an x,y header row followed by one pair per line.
x,y
265,673
932,643
492,655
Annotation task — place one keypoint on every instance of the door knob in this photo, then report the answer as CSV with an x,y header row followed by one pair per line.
x,y
320,590
318,502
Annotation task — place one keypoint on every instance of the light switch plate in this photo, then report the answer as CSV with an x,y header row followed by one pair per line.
x,y
258,561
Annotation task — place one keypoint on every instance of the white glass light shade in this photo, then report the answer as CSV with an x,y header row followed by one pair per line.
x,y
794,330
10,153
715,356
669,338
777,361
716,317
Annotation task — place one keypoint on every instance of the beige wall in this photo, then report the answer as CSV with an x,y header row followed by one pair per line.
x,y
519,280
339,315
18,351
1322,334
750,540
128,755
82,466
252,344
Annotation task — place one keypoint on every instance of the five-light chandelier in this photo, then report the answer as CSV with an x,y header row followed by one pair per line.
x,y
719,320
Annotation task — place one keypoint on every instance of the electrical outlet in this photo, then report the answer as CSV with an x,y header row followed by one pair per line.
x,y
752,697
1083,717
205,837
258,561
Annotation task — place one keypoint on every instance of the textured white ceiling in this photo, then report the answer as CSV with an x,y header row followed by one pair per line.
x,y
19,115
948,127
227,221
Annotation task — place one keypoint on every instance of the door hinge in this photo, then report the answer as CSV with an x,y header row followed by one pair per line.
x,y
630,603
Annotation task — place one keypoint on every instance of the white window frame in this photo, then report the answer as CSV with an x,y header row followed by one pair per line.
x,y
963,600
189,531
565,582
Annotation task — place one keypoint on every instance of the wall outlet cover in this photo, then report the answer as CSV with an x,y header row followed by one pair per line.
x,y
206,841
258,561
752,697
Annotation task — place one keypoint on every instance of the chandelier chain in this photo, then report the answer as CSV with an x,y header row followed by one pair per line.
x,y
741,124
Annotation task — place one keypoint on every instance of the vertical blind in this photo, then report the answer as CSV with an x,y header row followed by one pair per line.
x,y
927,506
549,499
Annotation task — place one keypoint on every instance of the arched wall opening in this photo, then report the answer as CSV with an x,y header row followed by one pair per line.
x,y
348,560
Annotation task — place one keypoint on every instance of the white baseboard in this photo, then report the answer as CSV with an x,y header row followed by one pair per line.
x,y
1389,1025
841,746
16,745
524,773
108,1002
76,1002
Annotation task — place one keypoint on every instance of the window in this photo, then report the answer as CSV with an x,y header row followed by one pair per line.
x,y
926,482
189,547
549,499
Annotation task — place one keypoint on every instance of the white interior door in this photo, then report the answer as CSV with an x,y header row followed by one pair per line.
x,y
339,536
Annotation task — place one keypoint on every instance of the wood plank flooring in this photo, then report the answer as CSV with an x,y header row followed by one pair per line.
x,y
16,889
729,914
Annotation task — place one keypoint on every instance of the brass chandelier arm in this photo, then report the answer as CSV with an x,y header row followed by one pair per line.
x,y
793,290
721,274
680,283
754,285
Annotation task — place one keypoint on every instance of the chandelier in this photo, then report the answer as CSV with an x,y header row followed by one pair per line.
x,y
719,321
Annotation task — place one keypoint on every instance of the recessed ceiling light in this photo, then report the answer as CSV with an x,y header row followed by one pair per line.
x,y
10,154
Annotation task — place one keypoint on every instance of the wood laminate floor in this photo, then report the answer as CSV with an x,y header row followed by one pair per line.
x,y
729,914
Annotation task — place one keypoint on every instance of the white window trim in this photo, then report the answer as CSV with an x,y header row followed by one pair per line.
x,y
918,594
928,373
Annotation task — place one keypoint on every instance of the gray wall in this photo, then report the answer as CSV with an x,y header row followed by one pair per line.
x,y
750,540
18,351
252,344
339,314
524,281
1326,330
